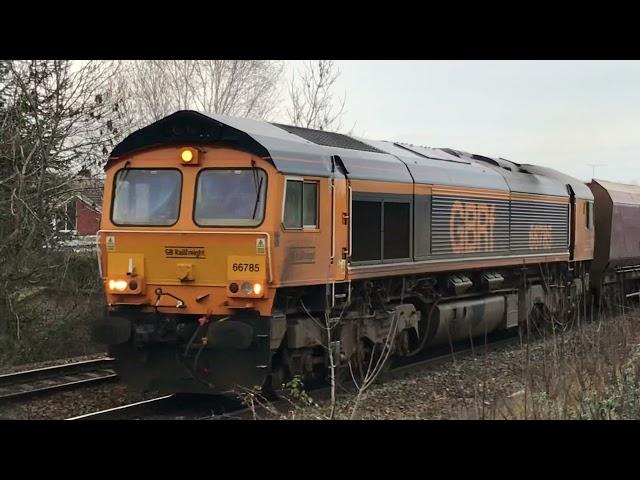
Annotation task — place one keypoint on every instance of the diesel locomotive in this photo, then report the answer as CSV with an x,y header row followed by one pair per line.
x,y
239,253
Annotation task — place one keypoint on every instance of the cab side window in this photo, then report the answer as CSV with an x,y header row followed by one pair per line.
x,y
300,205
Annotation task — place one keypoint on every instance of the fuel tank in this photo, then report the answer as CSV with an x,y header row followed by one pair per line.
x,y
464,319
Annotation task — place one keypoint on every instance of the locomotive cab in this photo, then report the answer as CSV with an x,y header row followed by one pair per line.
x,y
201,232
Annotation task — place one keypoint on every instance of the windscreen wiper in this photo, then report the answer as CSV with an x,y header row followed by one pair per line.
x,y
122,180
255,206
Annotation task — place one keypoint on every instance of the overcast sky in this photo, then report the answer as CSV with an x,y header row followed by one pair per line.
x,y
561,114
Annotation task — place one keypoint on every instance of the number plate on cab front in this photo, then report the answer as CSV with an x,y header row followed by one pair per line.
x,y
249,268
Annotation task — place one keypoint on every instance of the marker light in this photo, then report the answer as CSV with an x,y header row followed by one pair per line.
x,y
257,289
186,155
119,285
189,155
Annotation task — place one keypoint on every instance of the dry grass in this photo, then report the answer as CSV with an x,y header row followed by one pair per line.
x,y
589,372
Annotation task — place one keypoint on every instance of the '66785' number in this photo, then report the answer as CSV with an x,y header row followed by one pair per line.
x,y
245,267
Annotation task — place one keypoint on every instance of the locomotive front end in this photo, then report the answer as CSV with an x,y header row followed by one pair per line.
x,y
185,255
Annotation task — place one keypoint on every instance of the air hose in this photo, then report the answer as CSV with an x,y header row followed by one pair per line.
x,y
423,342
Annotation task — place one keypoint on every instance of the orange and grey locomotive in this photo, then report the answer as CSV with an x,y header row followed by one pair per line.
x,y
237,253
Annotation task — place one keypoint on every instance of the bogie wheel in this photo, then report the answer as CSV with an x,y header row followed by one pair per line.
x,y
537,320
279,376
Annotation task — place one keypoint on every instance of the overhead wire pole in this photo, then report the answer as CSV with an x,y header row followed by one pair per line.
x,y
593,166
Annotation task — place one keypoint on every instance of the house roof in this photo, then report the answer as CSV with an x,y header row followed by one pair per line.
x,y
89,190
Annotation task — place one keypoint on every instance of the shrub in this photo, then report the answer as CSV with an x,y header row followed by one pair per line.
x,y
51,319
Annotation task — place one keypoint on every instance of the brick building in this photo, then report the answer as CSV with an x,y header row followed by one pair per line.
x,y
79,214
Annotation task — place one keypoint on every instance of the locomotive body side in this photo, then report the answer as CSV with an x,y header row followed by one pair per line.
x,y
242,255
585,231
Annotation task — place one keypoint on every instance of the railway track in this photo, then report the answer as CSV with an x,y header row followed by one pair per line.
x,y
447,354
204,407
171,407
431,361
57,377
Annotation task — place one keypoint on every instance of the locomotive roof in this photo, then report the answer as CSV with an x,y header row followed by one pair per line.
x,y
303,151
528,178
429,165
580,188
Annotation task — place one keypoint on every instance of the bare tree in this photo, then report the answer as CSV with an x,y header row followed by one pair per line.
x,y
155,88
245,88
327,327
312,98
144,86
375,365
54,120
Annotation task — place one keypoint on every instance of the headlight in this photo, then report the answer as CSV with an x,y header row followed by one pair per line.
x,y
118,285
246,288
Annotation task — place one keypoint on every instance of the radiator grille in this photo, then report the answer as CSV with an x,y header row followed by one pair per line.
x,y
463,225
539,226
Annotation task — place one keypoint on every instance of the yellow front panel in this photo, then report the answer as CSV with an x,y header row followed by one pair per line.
x,y
166,258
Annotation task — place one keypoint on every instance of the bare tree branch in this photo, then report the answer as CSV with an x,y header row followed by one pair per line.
x,y
153,89
312,99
